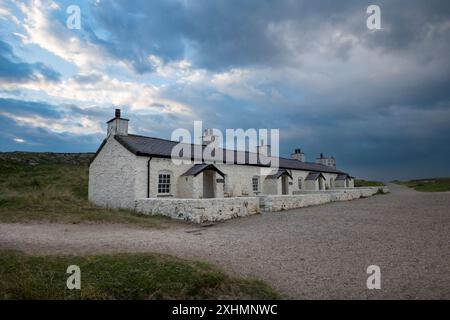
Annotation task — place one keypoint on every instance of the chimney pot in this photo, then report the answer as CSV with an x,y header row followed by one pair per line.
x,y
117,113
298,155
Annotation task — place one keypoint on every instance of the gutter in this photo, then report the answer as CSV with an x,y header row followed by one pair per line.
x,y
148,177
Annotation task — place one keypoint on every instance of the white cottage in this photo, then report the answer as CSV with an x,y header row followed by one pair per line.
x,y
130,167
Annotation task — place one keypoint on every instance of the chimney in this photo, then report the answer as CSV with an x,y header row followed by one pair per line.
x,y
209,137
327,161
118,125
298,155
263,149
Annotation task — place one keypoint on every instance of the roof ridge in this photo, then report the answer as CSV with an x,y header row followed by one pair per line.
x,y
167,140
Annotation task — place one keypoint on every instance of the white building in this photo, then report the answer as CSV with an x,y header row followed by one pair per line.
x,y
129,167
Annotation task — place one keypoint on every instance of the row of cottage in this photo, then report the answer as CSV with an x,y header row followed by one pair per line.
x,y
129,167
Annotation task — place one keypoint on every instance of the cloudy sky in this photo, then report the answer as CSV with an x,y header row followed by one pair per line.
x,y
379,101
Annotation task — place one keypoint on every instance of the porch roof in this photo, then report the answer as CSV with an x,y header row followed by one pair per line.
x,y
279,173
344,177
314,176
196,169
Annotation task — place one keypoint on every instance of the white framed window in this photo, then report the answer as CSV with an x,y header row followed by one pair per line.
x,y
164,180
255,184
300,183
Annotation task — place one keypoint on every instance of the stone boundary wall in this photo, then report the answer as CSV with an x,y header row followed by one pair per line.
x,y
200,210
220,209
272,203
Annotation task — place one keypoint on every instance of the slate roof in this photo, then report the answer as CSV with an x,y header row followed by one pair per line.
x,y
161,148
314,176
279,173
196,169
343,176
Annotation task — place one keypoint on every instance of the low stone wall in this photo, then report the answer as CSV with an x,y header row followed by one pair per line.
x,y
271,203
200,210
220,209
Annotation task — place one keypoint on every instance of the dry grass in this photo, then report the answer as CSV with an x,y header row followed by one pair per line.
x,y
428,185
122,276
56,191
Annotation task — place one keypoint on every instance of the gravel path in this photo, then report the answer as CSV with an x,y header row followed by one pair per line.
x,y
308,253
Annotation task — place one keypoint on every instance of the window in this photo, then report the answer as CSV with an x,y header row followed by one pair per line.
x,y
164,183
255,184
300,183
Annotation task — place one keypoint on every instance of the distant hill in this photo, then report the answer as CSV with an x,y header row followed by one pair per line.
x,y
428,184
35,158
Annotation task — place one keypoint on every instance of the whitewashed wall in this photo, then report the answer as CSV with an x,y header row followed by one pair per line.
x,y
238,180
112,177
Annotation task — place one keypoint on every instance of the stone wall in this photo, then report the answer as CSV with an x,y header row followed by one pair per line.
x,y
212,210
271,203
199,210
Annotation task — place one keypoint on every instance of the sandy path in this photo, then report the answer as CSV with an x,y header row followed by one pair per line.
x,y
316,252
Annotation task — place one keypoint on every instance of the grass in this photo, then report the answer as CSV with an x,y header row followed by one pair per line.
x,y
54,188
428,185
365,183
122,276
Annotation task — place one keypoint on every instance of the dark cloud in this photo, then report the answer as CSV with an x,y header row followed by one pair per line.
x,y
225,34
28,108
40,138
12,69
378,101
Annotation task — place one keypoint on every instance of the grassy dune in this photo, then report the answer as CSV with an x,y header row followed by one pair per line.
x,y
428,185
366,183
122,276
54,188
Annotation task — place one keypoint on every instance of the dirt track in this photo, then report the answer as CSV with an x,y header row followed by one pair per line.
x,y
308,253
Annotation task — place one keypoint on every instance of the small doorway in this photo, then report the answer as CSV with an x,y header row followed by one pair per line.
x,y
321,184
209,186
284,184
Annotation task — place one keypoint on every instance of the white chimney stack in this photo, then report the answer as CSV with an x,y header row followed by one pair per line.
x,y
298,155
210,138
327,161
263,149
118,125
